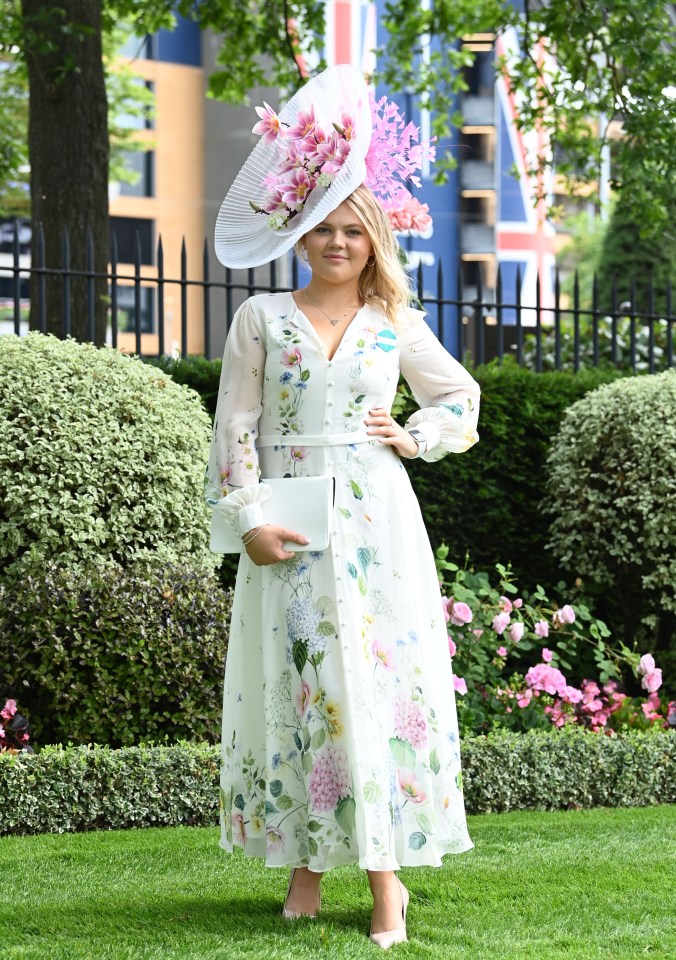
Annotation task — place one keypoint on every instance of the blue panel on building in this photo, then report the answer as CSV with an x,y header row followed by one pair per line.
x,y
511,195
182,45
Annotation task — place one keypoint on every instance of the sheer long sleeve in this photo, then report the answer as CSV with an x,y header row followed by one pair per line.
x,y
231,481
447,394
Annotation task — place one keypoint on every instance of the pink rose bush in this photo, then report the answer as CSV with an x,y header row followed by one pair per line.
x,y
14,730
506,677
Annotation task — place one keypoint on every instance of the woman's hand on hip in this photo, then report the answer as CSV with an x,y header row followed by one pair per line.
x,y
268,545
381,425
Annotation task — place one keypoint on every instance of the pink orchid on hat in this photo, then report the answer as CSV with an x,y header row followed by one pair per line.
x,y
328,139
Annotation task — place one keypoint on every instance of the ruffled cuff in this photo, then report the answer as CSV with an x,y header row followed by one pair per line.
x,y
447,428
242,508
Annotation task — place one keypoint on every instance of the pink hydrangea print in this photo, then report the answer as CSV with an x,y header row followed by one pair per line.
x,y
409,722
330,779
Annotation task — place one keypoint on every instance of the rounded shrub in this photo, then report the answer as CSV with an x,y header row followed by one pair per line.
x,y
612,488
102,459
116,657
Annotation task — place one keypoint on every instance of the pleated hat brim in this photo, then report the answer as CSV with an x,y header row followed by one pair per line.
x,y
242,237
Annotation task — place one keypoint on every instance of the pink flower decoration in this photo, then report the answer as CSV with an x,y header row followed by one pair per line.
x,y
304,126
394,153
409,787
269,127
330,779
303,697
652,681
383,653
409,722
409,216
299,453
516,631
459,685
505,604
646,664
502,651
296,188
547,655
451,647
542,629
460,614
333,153
291,357
500,622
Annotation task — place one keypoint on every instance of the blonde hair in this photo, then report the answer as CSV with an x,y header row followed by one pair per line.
x,y
385,282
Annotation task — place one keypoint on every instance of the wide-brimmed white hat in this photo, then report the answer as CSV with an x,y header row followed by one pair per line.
x,y
332,113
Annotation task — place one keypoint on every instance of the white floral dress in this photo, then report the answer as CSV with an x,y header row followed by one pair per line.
x,y
340,737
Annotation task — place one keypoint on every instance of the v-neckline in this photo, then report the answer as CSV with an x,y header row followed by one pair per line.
x,y
319,340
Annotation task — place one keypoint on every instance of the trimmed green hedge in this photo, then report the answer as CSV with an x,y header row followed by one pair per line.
x,y
93,788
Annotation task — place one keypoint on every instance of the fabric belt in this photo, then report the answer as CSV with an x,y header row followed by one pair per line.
x,y
309,440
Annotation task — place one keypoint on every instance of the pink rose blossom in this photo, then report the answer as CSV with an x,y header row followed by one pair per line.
x,y
547,655
546,678
505,604
652,681
447,603
502,651
459,685
572,694
542,629
516,631
518,603
478,634
460,614
8,710
565,615
500,622
646,664
451,647
330,779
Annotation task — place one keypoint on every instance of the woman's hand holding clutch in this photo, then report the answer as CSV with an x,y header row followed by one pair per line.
x,y
265,544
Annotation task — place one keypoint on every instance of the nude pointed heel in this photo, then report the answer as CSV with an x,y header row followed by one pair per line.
x,y
387,938
292,914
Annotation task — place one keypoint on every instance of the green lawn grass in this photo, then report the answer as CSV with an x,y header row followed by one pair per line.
x,y
582,884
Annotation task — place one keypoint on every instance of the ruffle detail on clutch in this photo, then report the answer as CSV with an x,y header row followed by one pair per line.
x,y
448,427
242,508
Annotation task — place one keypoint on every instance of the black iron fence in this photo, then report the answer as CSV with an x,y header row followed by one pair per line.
x,y
541,328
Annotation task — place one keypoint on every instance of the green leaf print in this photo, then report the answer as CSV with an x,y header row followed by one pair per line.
x,y
299,654
270,808
239,802
424,822
403,753
363,586
221,798
312,846
318,738
417,840
364,558
285,802
352,570
345,512
305,376
434,761
297,740
360,398
326,629
307,738
345,815
458,780
276,787
307,762
314,826
372,791
356,490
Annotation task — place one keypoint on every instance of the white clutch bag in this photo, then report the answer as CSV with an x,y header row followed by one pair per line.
x,y
303,504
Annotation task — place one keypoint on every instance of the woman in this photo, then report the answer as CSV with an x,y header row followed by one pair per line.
x,y
340,739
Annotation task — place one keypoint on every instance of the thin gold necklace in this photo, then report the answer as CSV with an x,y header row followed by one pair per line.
x,y
321,310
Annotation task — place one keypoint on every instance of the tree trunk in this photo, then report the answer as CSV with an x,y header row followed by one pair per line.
x,y
68,147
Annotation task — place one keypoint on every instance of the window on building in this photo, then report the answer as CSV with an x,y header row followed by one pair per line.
x,y
142,162
125,230
144,119
126,309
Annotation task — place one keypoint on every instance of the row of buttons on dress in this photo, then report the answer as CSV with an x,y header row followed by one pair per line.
x,y
330,384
